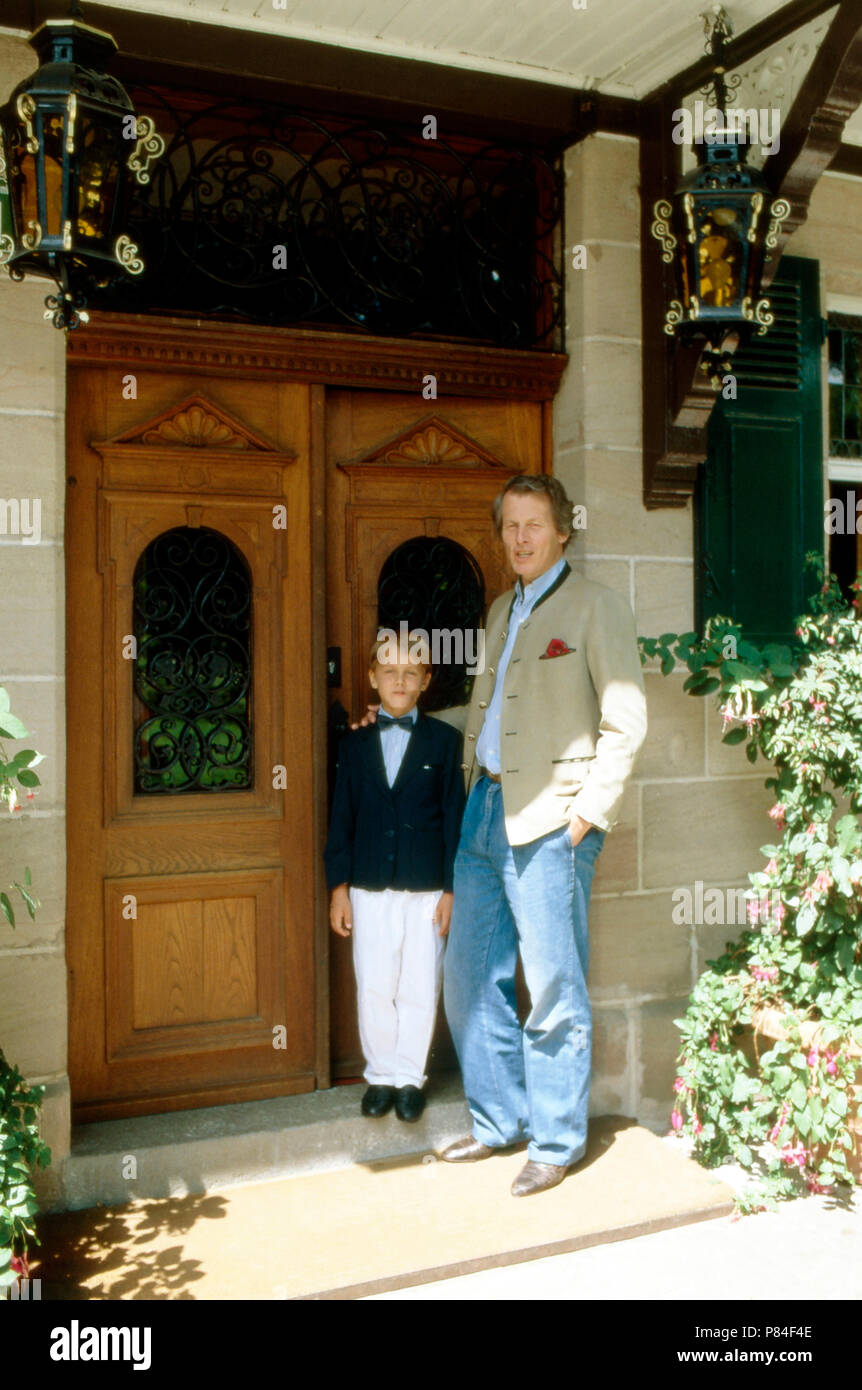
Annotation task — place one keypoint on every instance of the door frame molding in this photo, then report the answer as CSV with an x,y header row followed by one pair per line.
x,y
321,359
223,348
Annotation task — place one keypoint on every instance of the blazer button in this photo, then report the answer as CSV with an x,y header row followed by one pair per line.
x,y
390,857
491,671
471,735
390,833
465,767
483,704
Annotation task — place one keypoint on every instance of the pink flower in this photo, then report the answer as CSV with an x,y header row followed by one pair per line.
x,y
20,1266
771,867
779,1124
698,1127
753,910
713,1042
823,881
817,705
813,1057
779,912
830,641
831,1066
811,829
679,1085
676,1120
814,1185
794,1153
777,814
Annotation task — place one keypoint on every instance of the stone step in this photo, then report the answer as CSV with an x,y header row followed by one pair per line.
x,y
187,1152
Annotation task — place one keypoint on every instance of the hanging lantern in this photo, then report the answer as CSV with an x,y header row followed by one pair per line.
x,y
718,230
69,137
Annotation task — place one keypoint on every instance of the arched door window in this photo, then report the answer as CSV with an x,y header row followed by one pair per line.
x,y
192,675
435,584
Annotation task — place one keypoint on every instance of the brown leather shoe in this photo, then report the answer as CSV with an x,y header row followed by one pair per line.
x,y
467,1150
536,1177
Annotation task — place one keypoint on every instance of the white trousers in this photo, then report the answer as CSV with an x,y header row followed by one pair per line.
x,y
398,959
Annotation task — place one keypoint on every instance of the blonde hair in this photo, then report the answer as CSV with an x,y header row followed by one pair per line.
x,y
415,649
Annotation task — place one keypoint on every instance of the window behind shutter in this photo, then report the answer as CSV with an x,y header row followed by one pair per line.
x,y
759,498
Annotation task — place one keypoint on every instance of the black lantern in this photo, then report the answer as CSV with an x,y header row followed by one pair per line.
x,y
721,226
69,137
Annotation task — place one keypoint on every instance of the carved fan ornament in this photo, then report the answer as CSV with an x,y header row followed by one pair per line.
x,y
195,427
195,423
432,444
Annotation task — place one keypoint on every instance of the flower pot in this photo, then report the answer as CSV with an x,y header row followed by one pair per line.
x,y
769,1025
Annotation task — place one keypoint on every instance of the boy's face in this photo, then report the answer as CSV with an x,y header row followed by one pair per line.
x,y
399,684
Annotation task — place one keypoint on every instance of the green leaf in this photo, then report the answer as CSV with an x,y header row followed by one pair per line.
x,y
6,905
4,700
667,665
751,752
28,778
735,735
12,727
799,1094
802,1121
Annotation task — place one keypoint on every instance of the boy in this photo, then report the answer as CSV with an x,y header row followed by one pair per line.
x,y
396,817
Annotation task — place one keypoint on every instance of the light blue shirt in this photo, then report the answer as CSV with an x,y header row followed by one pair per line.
x,y
394,741
488,744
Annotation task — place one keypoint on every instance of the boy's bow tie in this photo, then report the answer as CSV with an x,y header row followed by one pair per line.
x,y
385,721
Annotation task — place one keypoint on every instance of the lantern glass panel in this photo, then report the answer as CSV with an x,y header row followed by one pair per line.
x,y
719,254
97,180
53,128
23,188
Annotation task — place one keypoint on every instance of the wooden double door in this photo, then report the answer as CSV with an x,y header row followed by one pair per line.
x,y
226,535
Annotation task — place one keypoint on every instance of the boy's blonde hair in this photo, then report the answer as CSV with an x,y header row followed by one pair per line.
x,y
415,650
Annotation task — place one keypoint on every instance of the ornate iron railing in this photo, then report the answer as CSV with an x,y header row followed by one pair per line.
x,y
278,217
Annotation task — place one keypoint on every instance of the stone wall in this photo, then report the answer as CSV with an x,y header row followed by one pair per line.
x,y
33,1025
696,809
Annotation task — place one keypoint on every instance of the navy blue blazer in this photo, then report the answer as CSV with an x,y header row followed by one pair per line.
x,y
404,836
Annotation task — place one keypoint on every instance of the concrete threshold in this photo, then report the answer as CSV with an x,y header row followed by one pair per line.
x,y
188,1152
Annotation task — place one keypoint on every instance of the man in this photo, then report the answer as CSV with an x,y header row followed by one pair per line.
x,y
553,726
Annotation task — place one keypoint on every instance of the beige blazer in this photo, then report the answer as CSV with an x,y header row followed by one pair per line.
x,y
570,725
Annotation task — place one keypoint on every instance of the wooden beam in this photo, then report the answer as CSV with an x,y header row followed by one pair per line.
x,y
744,46
847,160
811,134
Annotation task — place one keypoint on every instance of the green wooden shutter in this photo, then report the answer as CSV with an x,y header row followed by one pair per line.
x,y
759,498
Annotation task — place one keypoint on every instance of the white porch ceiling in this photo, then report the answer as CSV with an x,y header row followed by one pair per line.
x,y
618,47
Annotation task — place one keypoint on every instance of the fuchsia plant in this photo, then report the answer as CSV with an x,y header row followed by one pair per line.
x,y
799,706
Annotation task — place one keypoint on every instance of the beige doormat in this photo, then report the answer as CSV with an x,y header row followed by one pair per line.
x,y
372,1227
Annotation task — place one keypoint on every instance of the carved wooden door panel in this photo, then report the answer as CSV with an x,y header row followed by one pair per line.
x,y
397,471
191,850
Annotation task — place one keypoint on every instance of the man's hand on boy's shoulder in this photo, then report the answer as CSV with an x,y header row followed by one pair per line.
x,y
340,911
443,913
369,717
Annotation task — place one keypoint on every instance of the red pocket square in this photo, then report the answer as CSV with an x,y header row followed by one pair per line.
x,y
556,647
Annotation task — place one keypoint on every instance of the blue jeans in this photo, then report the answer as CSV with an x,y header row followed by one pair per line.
x,y
533,1083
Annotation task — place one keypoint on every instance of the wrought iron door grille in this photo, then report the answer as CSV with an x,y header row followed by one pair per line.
x,y
380,229
434,584
192,674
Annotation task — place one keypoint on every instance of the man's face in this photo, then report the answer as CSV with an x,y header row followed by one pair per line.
x,y
399,684
533,543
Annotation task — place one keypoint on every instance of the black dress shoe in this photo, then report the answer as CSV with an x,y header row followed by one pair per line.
x,y
409,1103
378,1100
